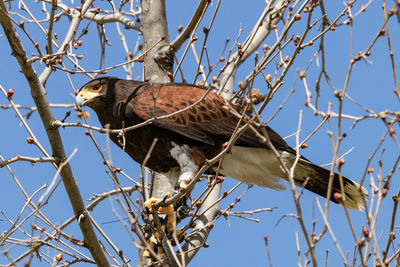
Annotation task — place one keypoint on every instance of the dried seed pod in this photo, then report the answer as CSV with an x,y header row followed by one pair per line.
x,y
365,232
180,28
268,78
256,96
198,203
242,85
338,197
286,59
59,257
336,93
265,48
10,93
220,179
384,192
82,115
361,242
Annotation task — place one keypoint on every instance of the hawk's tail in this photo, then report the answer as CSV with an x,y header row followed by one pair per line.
x,y
316,179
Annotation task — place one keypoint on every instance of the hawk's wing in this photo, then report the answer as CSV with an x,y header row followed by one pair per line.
x,y
195,113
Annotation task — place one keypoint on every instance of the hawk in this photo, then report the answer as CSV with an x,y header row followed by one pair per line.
x,y
192,124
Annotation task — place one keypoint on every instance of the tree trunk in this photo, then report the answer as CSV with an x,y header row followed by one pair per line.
x,y
158,61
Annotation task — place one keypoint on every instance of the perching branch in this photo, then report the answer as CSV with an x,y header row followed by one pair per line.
x,y
203,228
157,63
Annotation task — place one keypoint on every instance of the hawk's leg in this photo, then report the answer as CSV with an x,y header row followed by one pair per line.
x,y
168,211
189,159
168,225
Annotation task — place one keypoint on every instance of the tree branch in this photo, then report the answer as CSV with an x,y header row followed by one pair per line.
x,y
96,199
29,159
115,16
197,240
40,99
158,61
76,19
252,42
194,21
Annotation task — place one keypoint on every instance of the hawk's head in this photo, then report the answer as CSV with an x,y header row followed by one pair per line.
x,y
95,92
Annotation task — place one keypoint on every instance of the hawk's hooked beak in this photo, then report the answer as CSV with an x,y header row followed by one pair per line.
x,y
80,101
84,96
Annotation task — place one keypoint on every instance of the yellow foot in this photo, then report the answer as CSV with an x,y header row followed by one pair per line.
x,y
155,239
168,210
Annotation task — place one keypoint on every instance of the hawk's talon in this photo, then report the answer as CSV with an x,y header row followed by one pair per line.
x,y
168,223
153,243
182,212
168,195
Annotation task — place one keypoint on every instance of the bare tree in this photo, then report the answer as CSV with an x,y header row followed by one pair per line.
x,y
287,44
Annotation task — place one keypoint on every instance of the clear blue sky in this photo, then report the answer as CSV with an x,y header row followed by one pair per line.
x,y
237,242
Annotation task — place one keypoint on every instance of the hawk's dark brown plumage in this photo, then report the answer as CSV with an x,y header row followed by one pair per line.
x,y
203,126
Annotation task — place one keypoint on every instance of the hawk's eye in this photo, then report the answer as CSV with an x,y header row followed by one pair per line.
x,y
96,87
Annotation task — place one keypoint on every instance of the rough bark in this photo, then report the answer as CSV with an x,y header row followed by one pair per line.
x,y
159,58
